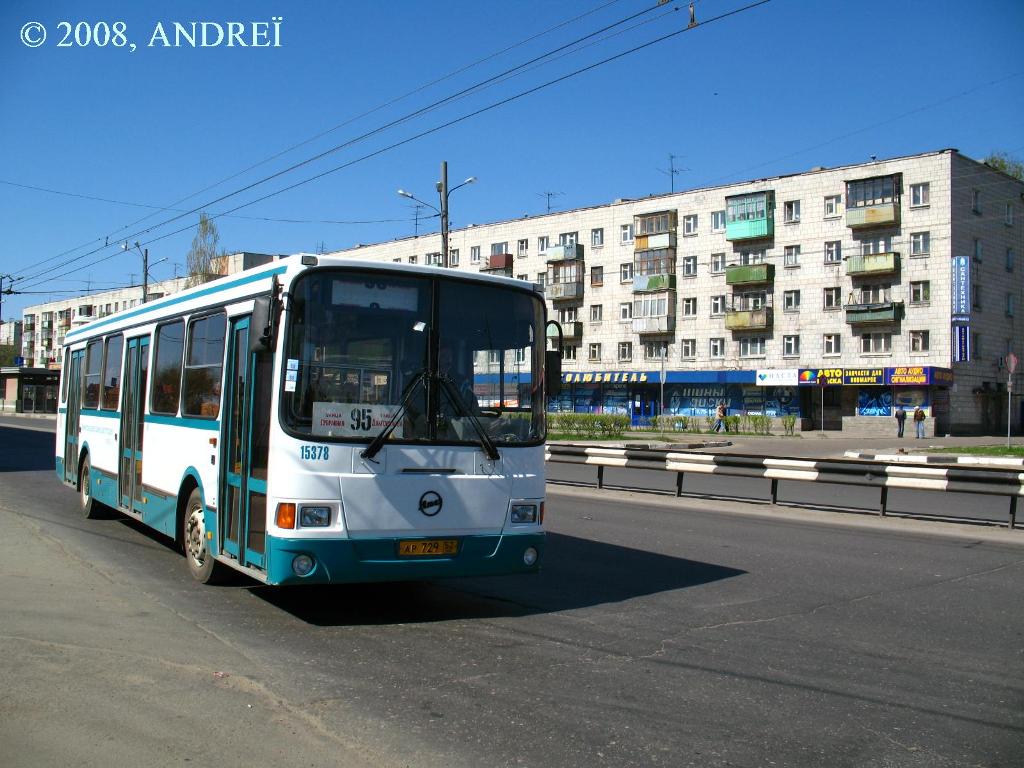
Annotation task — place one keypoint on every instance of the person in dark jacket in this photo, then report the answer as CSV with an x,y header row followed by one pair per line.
x,y
901,420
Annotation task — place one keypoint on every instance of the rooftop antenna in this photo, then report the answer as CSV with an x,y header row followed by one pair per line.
x,y
672,171
548,196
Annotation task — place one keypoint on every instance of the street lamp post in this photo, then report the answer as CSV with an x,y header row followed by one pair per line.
x,y
443,191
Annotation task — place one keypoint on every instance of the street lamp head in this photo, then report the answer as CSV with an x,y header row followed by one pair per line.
x,y
403,193
470,180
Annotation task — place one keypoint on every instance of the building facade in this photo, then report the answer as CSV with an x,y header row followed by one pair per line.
x,y
835,295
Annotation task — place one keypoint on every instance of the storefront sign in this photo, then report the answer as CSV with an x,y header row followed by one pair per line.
x,y
820,377
611,377
961,343
961,289
777,377
863,376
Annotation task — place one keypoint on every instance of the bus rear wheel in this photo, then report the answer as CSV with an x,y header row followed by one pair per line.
x,y
91,509
201,563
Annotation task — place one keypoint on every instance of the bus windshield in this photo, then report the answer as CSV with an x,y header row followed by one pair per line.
x,y
362,351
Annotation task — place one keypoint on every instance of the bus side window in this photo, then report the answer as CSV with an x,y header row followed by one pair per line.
x,y
111,384
93,361
204,365
166,387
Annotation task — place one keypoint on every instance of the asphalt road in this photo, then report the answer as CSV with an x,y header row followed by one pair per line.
x,y
661,631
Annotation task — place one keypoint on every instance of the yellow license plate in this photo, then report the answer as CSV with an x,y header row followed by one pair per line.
x,y
428,547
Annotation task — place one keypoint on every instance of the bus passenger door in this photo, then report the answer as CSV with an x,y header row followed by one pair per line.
x,y
74,405
133,404
243,507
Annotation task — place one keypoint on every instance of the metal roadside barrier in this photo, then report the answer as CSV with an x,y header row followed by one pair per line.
x,y
876,474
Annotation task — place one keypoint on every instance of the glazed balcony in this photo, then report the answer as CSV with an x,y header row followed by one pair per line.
x,y
868,216
564,291
881,312
648,283
654,242
750,216
749,274
658,324
759,319
571,329
871,264
564,252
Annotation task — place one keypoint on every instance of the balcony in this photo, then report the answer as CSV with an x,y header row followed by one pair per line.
x,y
759,319
749,274
571,329
873,264
662,324
566,252
563,291
646,283
750,217
654,242
498,261
867,216
878,313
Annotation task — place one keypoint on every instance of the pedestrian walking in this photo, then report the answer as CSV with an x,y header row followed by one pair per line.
x,y
720,423
901,419
919,421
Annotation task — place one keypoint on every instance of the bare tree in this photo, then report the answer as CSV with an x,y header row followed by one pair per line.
x,y
199,260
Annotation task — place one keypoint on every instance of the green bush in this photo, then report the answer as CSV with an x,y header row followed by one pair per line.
x,y
733,422
789,424
671,423
589,426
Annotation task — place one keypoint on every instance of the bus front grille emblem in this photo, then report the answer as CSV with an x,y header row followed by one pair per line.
x,y
431,503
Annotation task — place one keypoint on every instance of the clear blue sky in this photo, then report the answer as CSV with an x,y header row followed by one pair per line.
x,y
777,89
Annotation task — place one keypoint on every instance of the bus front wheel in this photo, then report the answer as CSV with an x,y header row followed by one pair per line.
x,y
201,563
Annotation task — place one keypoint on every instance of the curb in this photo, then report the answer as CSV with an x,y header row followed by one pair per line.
x,y
902,458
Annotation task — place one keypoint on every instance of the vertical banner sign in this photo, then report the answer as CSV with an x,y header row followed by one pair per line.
x,y
961,343
961,309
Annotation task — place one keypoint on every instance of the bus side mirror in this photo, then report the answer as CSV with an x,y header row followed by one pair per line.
x,y
260,330
552,372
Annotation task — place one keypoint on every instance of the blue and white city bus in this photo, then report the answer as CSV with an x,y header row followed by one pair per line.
x,y
320,420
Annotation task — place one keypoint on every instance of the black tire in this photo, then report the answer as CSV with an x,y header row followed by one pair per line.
x,y
201,563
91,509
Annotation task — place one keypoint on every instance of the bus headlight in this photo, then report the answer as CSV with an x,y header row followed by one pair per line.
x,y
524,513
529,556
303,565
314,517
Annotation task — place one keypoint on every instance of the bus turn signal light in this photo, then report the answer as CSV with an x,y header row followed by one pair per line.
x,y
286,516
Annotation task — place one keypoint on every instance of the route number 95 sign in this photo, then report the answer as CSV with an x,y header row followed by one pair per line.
x,y
353,419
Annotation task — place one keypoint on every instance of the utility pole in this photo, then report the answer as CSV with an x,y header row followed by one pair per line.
x,y
10,289
145,274
548,196
442,189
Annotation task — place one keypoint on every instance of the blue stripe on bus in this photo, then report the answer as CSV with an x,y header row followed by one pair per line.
x,y
97,412
175,299
183,421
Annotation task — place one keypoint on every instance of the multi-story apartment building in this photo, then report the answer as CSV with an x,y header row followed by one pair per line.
x,y
10,334
834,295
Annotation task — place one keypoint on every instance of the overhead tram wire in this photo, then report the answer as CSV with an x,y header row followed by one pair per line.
x,y
478,86
116,234
448,124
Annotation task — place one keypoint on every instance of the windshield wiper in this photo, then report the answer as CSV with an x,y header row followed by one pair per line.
x,y
458,402
378,442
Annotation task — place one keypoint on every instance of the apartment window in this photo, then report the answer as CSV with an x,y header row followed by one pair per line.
x,y
597,275
919,341
542,244
791,256
975,296
688,348
568,315
1009,259
920,194
716,347
569,352
791,301
791,211
875,343
920,291
831,344
976,346
689,266
1008,215
204,362
413,259
717,263
920,243
690,224
657,262
651,305
978,250
596,238
875,191
568,238
523,249
542,279
626,233
656,350
832,206
690,306
111,383
596,313
625,351
717,305
874,245
432,259
626,272
499,249
453,257
790,346
833,252
874,294
975,201
753,346
474,254
594,353
524,278
718,221
1010,301
655,223
493,357
626,310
